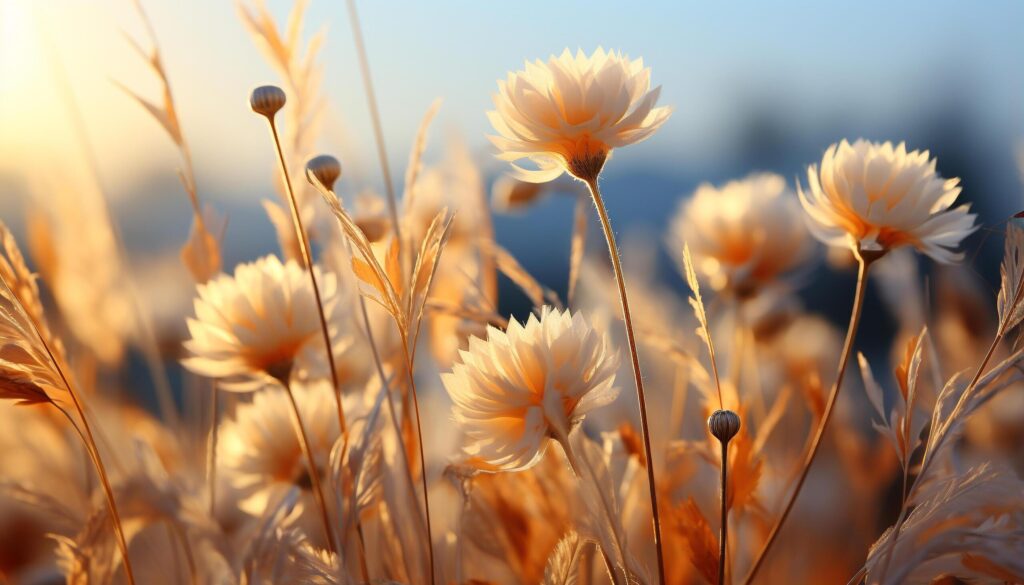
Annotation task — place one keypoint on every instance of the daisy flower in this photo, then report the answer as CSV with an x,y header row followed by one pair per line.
x,y
260,451
875,197
532,382
743,234
255,323
569,113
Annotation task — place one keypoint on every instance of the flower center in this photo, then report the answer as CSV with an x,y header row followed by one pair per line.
x,y
585,156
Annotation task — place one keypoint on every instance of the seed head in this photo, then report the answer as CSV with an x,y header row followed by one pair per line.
x,y
325,168
266,100
724,424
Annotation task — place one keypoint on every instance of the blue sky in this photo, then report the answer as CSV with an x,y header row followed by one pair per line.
x,y
823,70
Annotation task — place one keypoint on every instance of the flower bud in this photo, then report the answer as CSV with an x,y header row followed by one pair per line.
x,y
325,168
266,100
724,424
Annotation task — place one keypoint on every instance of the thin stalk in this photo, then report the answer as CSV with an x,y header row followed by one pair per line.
x,y
314,474
211,453
858,576
378,130
724,533
88,439
620,280
307,258
385,387
423,458
851,334
101,471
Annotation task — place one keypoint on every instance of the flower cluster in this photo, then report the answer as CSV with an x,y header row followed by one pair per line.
x,y
361,407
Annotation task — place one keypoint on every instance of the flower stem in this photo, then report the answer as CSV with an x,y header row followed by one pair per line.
x,y
307,258
724,535
88,439
613,251
423,458
385,387
314,474
94,454
864,261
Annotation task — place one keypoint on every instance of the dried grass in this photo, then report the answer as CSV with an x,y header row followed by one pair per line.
x,y
944,430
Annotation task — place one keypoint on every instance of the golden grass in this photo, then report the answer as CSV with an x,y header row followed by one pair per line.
x,y
529,469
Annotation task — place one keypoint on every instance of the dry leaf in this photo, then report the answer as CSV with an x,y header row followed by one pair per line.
x,y
701,542
563,564
702,317
1009,304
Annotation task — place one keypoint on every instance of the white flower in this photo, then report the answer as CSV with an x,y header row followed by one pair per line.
x,y
744,233
260,450
875,197
254,324
527,384
569,113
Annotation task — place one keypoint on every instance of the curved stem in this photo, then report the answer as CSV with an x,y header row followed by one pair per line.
x,y
314,473
307,258
613,251
423,458
89,440
724,534
101,471
851,334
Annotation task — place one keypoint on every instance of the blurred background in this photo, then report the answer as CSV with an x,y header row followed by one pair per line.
x,y
754,87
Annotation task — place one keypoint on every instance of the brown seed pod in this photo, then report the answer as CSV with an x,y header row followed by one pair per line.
x,y
266,100
724,424
325,168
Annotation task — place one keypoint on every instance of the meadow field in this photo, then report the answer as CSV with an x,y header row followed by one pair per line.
x,y
273,312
